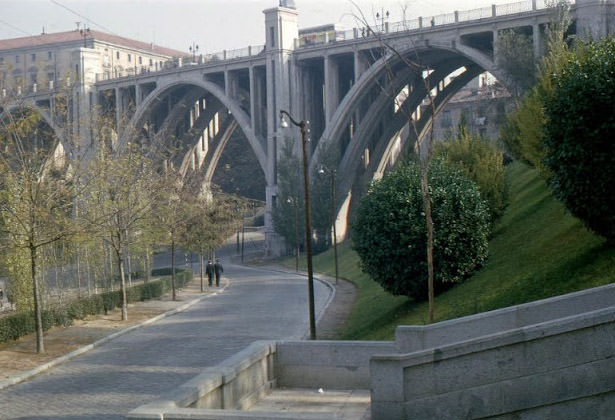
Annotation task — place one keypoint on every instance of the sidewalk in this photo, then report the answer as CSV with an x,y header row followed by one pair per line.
x,y
19,360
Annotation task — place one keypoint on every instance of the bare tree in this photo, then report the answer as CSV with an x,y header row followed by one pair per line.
x,y
119,206
391,55
172,215
37,192
211,217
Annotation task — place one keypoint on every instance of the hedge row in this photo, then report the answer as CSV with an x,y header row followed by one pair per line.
x,y
17,325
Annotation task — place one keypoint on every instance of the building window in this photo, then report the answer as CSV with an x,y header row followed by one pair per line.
x,y
49,55
140,60
447,121
17,59
129,58
272,35
33,57
151,62
117,55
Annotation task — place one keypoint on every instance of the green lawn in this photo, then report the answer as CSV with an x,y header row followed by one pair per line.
x,y
537,250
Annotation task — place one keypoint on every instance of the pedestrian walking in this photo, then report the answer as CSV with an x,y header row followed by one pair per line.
x,y
209,269
218,270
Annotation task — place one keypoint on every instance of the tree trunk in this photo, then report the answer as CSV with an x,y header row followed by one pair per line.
x,y
173,269
148,265
120,264
129,262
201,270
427,204
38,319
108,265
88,272
430,274
79,280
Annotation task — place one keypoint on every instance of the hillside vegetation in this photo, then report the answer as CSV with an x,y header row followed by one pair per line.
x,y
537,250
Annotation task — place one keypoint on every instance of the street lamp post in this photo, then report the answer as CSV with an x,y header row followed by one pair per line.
x,y
382,15
295,204
243,234
237,211
333,173
194,48
308,215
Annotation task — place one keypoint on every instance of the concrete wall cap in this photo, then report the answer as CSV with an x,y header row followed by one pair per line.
x,y
555,327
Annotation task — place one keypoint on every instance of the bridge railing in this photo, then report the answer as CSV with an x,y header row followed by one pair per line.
x,y
512,8
475,14
421,23
32,89
178,62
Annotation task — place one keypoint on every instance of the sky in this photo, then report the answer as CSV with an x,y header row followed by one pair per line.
x,y
213,25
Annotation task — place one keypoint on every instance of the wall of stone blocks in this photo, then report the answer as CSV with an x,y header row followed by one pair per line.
x,y
420,337
566,365
326,364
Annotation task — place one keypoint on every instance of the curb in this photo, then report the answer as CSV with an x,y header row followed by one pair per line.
x,y
324,279
13,380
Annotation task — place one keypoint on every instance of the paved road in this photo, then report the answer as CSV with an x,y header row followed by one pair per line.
x,y
133,369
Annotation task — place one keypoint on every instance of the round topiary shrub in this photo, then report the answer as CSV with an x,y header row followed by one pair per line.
x,y
580,133
390,234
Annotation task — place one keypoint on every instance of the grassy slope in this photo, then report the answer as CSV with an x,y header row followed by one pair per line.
x,y
537,250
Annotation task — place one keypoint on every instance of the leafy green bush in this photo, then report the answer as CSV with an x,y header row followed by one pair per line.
x,y
152,289
579,135
165,271
14,326
522,134
22,323
111,300
390,234
482,162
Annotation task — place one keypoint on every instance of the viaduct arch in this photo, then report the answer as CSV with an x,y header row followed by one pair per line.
x,y
217,102
337,80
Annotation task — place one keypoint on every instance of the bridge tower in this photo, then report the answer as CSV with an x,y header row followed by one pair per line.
x,y
281,25
83,94
595,18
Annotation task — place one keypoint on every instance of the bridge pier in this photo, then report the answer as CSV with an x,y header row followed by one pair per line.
x,y
332,78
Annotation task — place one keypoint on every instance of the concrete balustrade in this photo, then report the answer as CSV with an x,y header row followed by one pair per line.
x,y
326,364
530,361
420,337
234,386
565,366
551,359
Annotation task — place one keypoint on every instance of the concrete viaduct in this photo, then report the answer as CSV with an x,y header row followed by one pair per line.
x,y
357,95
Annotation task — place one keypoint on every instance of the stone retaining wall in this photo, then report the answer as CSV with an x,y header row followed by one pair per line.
x,y
552,359
421,337
224,391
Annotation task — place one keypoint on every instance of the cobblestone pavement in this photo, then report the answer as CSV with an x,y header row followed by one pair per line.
x,y
133,369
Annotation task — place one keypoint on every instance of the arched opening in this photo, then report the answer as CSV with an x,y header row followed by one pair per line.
x,y
192,128
390,113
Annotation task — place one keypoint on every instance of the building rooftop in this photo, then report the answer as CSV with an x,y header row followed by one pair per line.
x,y
75,35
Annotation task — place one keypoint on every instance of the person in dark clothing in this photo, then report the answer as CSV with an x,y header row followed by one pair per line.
x,y
218,269
209,270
